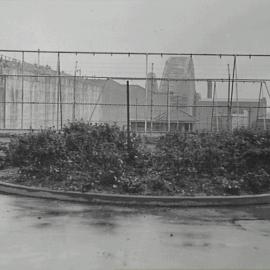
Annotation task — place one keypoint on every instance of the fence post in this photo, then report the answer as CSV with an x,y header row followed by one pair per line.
x,y
2,99
229,94
136,115
59,95
128,118
259,105
5,99
249,117
74,94
168,109
22,90
146,95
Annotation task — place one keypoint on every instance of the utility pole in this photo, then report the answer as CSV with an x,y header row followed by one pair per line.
x,y
136,114
249,117
168,104
59,94
213,107
232,85
128,119
38,63
177,111
229,94
216,109
3,84
237,96
146,94
74,93
38,58
267,91
259,104
22,90
151,97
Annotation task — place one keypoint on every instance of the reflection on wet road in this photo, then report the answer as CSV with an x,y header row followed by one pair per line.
x,y
41,234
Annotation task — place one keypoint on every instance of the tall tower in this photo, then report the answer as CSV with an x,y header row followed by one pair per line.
x,y
180,68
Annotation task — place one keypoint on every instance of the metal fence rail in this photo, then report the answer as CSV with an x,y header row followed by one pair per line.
x,y
34,95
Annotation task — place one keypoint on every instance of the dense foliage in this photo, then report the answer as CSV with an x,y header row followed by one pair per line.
x,y
96,157
230,162
83,155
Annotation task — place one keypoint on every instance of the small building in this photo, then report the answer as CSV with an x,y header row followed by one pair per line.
x,y
215,115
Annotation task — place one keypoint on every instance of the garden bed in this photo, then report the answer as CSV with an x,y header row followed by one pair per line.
x,y
96,158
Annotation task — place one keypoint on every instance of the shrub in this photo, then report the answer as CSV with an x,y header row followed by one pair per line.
x,y
3,155
38,153
86,156
231,187
256,182
100,151
257,158
134,185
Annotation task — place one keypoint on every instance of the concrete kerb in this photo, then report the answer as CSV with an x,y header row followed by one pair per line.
x,y
134,200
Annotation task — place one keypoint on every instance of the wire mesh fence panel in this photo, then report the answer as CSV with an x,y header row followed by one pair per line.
x,y
41,89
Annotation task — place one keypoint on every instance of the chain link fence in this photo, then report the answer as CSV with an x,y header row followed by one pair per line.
x,y
35,95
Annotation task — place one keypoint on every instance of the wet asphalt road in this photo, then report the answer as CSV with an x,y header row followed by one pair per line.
x,y
40,234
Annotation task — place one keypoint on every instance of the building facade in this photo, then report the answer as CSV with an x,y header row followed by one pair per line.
x,y
215,115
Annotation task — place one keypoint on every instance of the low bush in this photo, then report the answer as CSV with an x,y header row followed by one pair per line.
x,y
3,155
87,157
255,182
100,151
230,156
42,154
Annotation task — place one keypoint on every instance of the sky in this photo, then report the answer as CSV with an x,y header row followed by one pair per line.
x,y
138,25
200,26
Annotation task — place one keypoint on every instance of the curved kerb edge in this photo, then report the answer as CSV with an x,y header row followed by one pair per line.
x,y
134,200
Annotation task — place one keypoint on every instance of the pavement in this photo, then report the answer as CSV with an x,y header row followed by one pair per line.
x,y
44,234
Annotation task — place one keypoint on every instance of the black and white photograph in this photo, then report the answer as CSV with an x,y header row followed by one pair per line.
x,y
134,134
